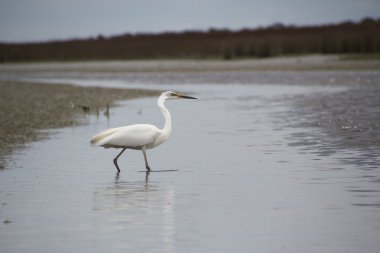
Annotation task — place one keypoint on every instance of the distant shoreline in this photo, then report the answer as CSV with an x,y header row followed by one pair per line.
x,y
283,63
27,108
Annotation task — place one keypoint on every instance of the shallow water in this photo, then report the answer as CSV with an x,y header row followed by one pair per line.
x,y
245,174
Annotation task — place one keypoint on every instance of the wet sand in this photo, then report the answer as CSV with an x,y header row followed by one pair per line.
x,y
350,118
29,107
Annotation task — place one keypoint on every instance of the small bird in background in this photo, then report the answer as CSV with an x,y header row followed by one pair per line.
x,y
107,112
139,136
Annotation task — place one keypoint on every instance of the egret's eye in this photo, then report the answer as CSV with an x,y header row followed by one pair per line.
x,y
173,94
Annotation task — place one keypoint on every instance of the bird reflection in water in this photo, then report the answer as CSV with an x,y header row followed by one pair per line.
x,y
137,210
147,173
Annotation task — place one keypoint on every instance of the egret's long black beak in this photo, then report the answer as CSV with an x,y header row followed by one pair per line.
x,y
184,96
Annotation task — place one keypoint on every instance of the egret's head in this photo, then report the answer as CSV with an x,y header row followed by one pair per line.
x,y
171,95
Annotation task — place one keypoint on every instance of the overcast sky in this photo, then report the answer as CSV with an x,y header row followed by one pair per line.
x,y
39,20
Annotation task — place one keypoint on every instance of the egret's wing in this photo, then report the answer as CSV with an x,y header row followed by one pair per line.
x,y
131,136
104,134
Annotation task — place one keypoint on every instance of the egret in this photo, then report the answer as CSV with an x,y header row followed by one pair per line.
x,y
139,136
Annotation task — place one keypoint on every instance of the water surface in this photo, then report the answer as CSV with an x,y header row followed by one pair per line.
x,y
250,170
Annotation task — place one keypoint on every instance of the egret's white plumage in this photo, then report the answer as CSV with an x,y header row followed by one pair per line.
x,y
139,136
133,137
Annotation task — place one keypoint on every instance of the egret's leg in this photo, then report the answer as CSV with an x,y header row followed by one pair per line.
x,y
115,160
146,160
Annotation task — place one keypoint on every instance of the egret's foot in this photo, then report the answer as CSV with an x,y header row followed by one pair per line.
x,y
148,169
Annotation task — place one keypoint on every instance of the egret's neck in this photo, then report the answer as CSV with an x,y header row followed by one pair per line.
x,y
165,112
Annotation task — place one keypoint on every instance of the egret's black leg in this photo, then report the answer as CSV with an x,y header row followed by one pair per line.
x,y
115,160
146,160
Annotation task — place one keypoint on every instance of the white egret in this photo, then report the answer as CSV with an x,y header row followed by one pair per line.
x,y
139,136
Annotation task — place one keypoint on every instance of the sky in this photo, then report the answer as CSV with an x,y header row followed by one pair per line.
x,y
42,20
